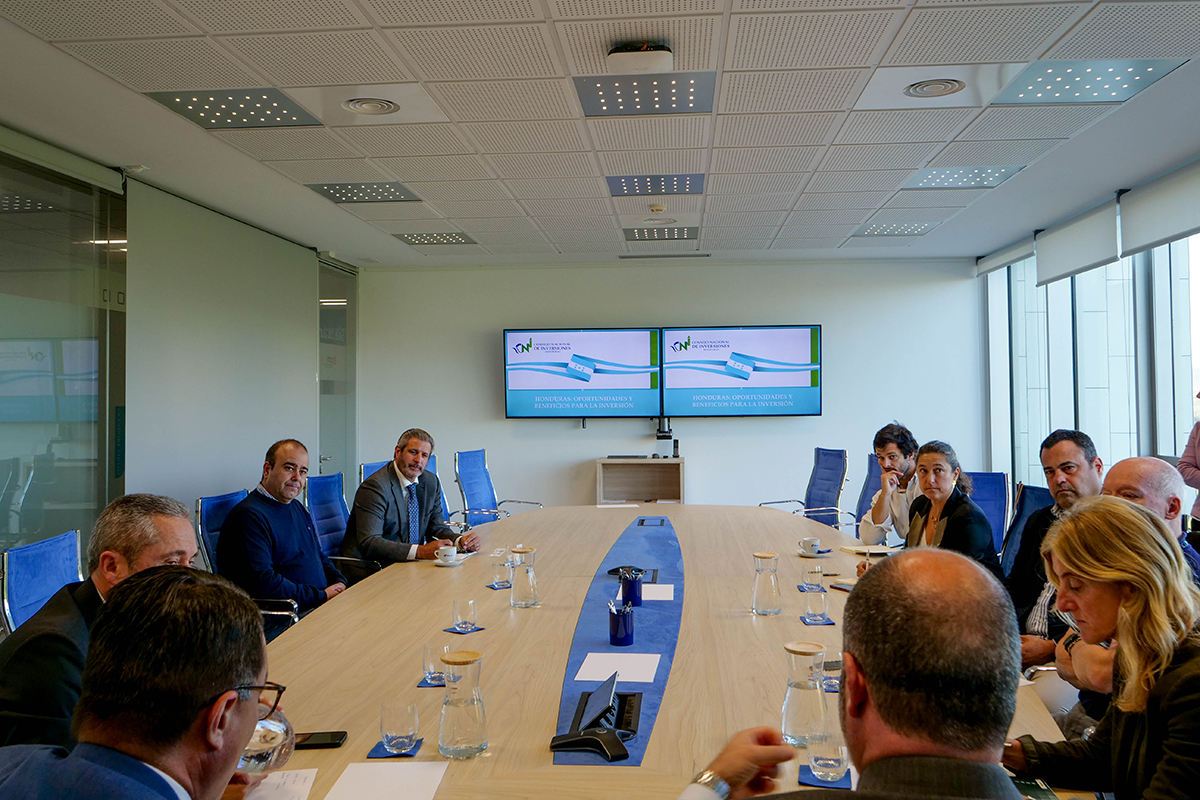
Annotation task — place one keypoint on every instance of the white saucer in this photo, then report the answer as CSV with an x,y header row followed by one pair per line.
x,y
803,554
458,562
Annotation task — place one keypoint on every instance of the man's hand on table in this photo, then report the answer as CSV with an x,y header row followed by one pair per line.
x,y
469,542
334,590
1014,756
429,550
241,785
1036,651
749,762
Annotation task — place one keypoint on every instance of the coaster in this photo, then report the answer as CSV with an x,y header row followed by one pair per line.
x,y
379,751
824,621
806,778
494,586
803,589
475,629
425,684
832,684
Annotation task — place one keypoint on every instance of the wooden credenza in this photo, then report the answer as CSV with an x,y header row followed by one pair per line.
x,y
620,480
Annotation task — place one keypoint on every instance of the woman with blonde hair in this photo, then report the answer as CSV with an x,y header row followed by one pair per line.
x,y
1122,576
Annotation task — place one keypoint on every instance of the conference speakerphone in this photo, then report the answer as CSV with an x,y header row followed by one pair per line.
x,y
604,720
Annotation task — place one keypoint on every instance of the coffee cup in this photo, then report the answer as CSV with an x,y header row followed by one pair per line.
x,y
446,554
810,545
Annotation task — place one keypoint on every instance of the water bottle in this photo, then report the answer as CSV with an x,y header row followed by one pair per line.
x,y
765,601
463,731
804,703
524,591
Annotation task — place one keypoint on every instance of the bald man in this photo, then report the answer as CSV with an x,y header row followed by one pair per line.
x,y
1155,484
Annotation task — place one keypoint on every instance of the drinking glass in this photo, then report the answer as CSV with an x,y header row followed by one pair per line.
x,y
812,578
398,725
465,615
828,756
816,608
434,671
501,575
270,746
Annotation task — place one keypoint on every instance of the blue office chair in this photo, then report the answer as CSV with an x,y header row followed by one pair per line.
x,y
370,468
991,494
32,573
11,469
478,493
33,499
210,517
1028,500
825,483
327,507
869,488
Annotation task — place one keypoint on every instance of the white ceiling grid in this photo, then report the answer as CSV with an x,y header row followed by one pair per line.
x,y
789,162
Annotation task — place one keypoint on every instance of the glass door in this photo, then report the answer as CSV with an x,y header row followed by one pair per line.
x,y
337,375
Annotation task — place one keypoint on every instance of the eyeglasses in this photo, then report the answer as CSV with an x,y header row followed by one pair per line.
x,y
265,709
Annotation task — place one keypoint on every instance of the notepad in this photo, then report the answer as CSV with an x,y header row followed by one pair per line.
x,y
655,591
294,784
420,780
868,549
634,667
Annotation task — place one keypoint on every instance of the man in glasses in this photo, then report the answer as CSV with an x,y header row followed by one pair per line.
x,y
175,683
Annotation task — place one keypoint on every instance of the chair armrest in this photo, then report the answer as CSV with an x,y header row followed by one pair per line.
x,y
463,526
1029,673
283,616
822,509
779,502
368,566
522,502
495,512
285,605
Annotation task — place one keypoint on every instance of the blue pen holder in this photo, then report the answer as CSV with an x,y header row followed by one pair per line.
x,y
620,627
631,589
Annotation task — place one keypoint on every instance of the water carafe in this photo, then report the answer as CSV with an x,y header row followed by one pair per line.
x,y
765,600
804,702
524,590
463,731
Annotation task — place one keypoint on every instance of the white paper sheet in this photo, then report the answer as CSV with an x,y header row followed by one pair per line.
x,y
292,784
655,591
634,667
419,780
616,505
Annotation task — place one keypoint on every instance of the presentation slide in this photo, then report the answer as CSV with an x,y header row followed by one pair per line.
x,y
581,373
742,372
79,380
27,381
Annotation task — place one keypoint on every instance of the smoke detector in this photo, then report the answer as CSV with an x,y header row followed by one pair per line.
x,y
938,87
636,58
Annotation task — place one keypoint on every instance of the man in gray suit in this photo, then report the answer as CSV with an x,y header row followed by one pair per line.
x,y
397,514
931,658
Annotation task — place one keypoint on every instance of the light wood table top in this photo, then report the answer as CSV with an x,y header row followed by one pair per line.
x,y
348,656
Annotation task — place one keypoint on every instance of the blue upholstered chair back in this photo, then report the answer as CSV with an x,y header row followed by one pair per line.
x,y
327,507
471,472
825,485
991,494
1029,499
32,573
210,516
870,487
370,468
432,467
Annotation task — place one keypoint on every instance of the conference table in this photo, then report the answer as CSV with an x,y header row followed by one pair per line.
x,y
729,671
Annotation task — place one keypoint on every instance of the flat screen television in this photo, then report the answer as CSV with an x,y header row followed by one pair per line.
x,y
612,372
742,372
27,381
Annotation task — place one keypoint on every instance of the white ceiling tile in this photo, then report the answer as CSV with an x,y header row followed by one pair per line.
x,y
816,231
842,216
912,216
630,8
814,5
577,223
788,183
748,130
926,125
1134,30
88,19
238,16
692,41
879,156
806,244
586,236
650,133
521,249
751,220
488,238
858,181
421,139
161,65
749,202
675,203
333,170
1034,122
738,232
806,90
392,211
977,35
459,191
461,211
416,226
935,198
880,241
1014,152
765,159
434,168
867,200
544,165
550,188
320,59
806,40
722,245
568,207
526,137
423,12
287,143
592,247
508,100
451,250
496,224
653,162
480,53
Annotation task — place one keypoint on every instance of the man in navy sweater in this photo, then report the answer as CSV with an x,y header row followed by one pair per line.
x,y
268,544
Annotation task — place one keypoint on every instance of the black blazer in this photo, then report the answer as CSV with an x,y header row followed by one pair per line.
x,y
378,527
41,668
963,528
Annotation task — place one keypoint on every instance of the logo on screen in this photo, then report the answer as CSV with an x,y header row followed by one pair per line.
x,y
519,348
35,355
684,345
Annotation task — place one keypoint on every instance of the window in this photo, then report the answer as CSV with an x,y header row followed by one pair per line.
x,y
1105,363
1030,370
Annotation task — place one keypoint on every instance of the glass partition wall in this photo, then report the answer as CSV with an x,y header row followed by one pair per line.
x,y
62,352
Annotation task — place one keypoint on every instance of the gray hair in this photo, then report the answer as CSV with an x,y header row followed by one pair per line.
x,y
414,433
126,526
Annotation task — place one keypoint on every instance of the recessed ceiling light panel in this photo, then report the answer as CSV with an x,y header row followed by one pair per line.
x,y
961,177
1084,81
659,234
623,185
392,192
426,239
663,93
897,229
240,108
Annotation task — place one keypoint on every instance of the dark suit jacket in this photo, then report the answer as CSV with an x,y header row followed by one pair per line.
x,y
378,528
963,528
921,778
89,771
41,668
1028,576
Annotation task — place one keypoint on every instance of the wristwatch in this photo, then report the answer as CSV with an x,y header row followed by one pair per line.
x,y
1071,641
713,781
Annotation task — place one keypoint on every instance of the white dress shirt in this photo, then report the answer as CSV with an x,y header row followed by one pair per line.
x,y
404,484
893,531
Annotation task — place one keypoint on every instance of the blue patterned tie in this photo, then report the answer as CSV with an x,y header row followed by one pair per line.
x,y
414,516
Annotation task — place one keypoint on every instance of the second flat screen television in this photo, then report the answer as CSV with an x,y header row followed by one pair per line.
x,y
742,372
